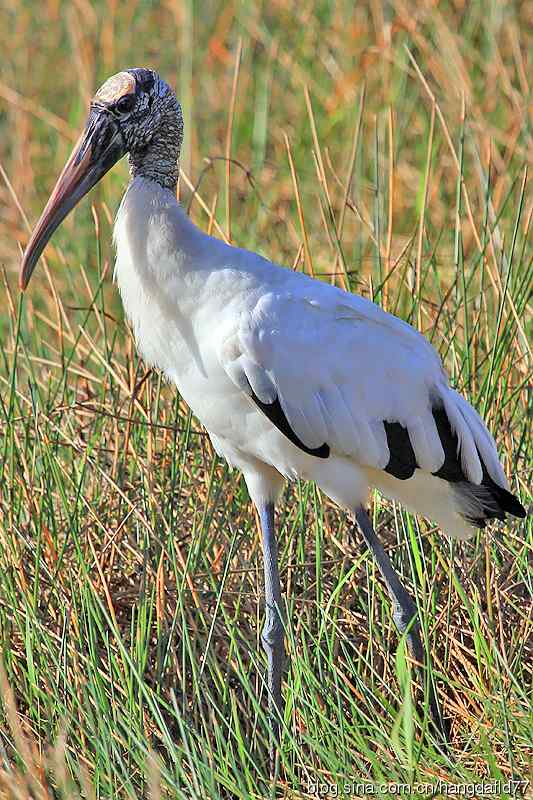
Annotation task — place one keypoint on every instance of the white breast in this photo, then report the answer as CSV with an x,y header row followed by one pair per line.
x,y
180,290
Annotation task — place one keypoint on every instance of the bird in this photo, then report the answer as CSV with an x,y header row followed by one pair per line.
x,y
291,377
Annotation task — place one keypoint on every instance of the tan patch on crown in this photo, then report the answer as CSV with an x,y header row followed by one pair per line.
x,y
115,87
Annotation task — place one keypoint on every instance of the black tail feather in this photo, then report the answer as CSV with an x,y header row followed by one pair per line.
x,y
505,500
493,501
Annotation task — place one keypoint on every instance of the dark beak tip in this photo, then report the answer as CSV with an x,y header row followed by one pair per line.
x,y
24,274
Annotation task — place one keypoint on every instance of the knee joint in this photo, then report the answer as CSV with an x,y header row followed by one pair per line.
x,y
403,616
272,633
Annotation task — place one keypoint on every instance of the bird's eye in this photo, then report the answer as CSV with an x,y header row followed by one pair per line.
x,y
125,103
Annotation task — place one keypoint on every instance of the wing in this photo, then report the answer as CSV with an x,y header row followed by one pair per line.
x,y
335,372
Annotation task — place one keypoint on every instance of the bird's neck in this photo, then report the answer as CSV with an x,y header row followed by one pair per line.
x,y
159,160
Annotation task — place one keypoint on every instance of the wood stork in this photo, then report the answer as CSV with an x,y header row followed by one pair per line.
x,y
292,378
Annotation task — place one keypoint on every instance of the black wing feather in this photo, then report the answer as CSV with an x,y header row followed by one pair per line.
x,y
402,461
277,417
402,464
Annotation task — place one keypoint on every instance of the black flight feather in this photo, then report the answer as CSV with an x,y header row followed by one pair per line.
x,y
402,461
402,464
277,417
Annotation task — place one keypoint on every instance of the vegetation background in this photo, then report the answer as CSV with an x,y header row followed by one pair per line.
x,y
383,146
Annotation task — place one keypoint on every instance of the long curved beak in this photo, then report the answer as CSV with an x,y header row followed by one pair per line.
x,y
99,147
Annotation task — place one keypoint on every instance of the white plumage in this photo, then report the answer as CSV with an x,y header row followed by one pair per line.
x,y
218,320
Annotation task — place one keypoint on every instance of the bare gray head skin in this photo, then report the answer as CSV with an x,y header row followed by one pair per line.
x,y
134,112
150,119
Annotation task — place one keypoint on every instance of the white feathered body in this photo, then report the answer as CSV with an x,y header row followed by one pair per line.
x,y
221,321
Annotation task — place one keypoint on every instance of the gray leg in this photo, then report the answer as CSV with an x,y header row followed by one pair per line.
x,y
404,613
272,635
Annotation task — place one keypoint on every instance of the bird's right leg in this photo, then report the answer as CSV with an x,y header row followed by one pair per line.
x,y
404,612
272,635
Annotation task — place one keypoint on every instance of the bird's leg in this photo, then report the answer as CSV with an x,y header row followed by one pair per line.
x,y
404,613
272,635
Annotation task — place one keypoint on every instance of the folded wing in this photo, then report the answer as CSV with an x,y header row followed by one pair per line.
x,y
337,374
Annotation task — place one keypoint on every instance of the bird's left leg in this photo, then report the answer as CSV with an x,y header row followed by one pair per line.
x,y
404,612
272,635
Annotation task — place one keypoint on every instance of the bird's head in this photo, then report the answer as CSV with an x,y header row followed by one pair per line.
x,y
134,112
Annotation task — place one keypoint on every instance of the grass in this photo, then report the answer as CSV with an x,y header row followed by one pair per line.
x,y
387,149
